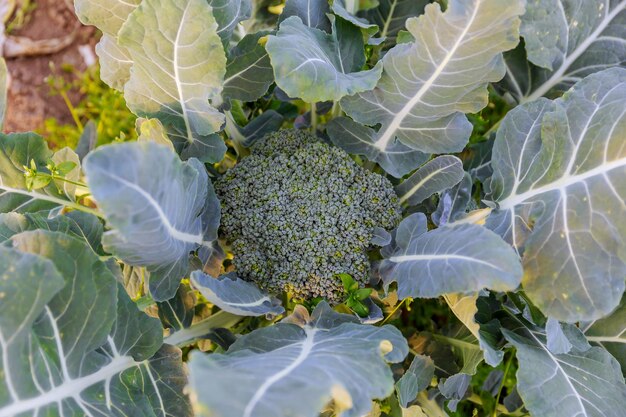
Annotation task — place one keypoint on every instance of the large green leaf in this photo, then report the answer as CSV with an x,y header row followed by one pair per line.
x,y
586,383
448,260
558,190
73,343
155,205
428,84
178,65
314,363
315,66
566,40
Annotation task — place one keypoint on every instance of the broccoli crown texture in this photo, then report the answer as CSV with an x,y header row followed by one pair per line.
x,y
298,212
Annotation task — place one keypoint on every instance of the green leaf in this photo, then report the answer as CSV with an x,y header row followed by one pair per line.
x,y
308,63
77,344
153,130
558,188
315,363
447,260
349,284
358,307
369,29
428,85
178,65
362,293
115,62
433,177
106,15
249,72
65,167
155,216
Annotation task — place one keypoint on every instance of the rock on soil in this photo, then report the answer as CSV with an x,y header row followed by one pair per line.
x,y
29,101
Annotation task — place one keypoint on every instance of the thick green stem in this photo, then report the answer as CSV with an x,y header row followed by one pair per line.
x,y
187,336
506,371
313,118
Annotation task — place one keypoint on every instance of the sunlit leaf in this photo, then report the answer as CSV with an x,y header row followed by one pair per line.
x,y
559,196
429,84
178,65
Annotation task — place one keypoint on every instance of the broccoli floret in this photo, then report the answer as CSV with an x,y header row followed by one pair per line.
x,y
298,212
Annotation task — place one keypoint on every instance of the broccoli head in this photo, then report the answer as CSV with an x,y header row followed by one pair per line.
x,y
298,212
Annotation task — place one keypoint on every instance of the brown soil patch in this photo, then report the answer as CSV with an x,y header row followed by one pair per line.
x,y
29,100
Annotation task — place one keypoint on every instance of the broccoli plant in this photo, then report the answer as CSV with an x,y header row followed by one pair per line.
x,y
300,212
333,208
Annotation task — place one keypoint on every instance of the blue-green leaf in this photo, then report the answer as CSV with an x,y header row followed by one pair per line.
x,y
390,16
316,363
80,225
610,333
228,13
447,260
154,205
583,382
313,13
453,202
354,138
234,295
